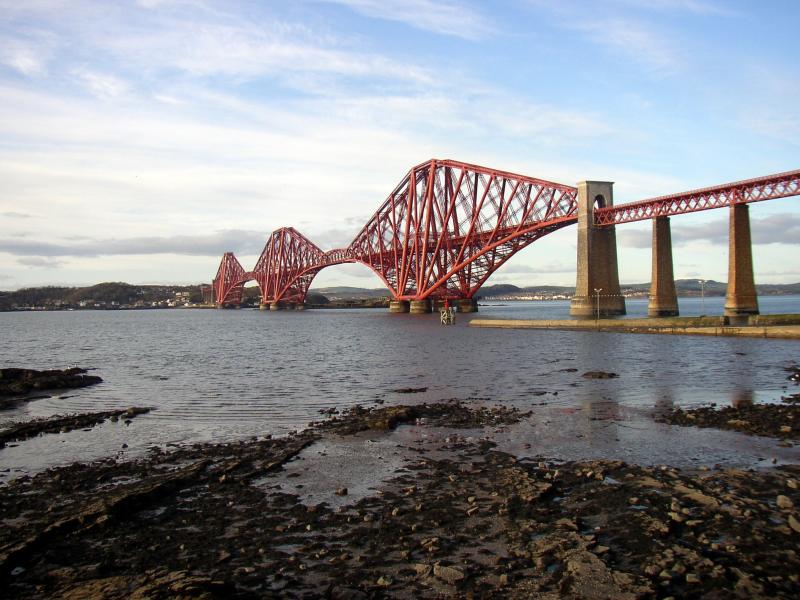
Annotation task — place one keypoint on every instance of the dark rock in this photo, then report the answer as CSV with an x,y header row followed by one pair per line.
x,y
599,375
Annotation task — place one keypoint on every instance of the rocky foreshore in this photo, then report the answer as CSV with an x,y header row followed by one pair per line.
x,y
16,383
459,520
63,423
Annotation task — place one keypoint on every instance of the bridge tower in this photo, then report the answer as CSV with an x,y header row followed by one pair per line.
x,y
597,288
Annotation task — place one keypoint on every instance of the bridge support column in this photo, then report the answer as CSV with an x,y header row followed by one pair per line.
x,y
418,307
398,306
663,296
597,256
741,299
467,305
276,306
300,306
263,306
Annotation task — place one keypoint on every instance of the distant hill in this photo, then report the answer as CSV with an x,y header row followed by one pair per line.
x,y
344,292
684,287
105,294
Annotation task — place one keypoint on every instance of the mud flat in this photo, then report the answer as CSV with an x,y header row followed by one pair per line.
x,y
459,520
708,326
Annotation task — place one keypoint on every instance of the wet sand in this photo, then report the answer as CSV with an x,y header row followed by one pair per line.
x,y
407,502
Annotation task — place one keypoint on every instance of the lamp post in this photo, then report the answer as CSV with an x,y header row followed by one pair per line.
x,y
597,296
702,297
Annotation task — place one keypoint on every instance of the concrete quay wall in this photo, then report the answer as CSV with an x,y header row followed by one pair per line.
x,y
763,326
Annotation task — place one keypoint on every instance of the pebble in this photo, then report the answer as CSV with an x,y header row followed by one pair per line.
x,y
784,502
449,574
692,578
794,524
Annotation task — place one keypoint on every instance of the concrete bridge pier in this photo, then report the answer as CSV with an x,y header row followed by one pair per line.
x,y
263,306
399,306
467,305
276,306
597,256
663,296
300,306
419,307
741,299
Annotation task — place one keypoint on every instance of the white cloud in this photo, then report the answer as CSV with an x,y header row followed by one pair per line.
x,y
633,40
698,7
28,53
248,51
102,85
437,16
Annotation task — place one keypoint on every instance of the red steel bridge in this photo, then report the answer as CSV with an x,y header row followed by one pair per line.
x,y
448,226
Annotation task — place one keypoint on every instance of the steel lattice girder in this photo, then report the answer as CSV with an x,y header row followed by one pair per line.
x,y
781,185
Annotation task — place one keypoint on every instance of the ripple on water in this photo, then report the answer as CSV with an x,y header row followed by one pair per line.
x,y
221,375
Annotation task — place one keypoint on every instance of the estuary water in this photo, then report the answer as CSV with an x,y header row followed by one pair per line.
x,y
221,375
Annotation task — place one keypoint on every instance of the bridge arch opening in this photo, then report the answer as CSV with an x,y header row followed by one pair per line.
x,y
600,201
548,263
347,282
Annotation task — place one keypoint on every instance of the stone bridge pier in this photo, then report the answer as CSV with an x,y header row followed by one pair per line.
x,y
741,299
597,290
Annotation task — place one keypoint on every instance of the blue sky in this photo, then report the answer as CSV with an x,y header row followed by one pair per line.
x,y
140,140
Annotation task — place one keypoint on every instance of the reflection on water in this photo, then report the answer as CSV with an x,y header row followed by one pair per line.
x,y
742,398
222,375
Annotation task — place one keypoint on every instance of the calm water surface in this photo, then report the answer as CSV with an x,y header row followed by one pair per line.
x,y
220,375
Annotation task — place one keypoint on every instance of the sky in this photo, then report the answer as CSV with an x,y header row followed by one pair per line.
x,y
139,140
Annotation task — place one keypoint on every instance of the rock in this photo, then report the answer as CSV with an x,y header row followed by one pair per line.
x,y
342,491
692,578
792,483
450,575
343,593
794,524
599,375
422,569
784,502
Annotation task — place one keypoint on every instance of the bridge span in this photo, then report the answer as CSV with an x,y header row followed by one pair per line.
x,y
447,226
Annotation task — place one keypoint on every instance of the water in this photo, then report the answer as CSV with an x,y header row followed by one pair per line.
x,y
224,375
637,307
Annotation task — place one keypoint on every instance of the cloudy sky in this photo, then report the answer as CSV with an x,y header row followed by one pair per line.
x,y
139,140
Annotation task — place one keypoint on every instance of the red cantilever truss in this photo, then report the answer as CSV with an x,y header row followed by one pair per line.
x,y
781,185
448,226
229,281
441,232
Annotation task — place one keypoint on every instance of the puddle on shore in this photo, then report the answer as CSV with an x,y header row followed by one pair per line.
x,y
371,461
